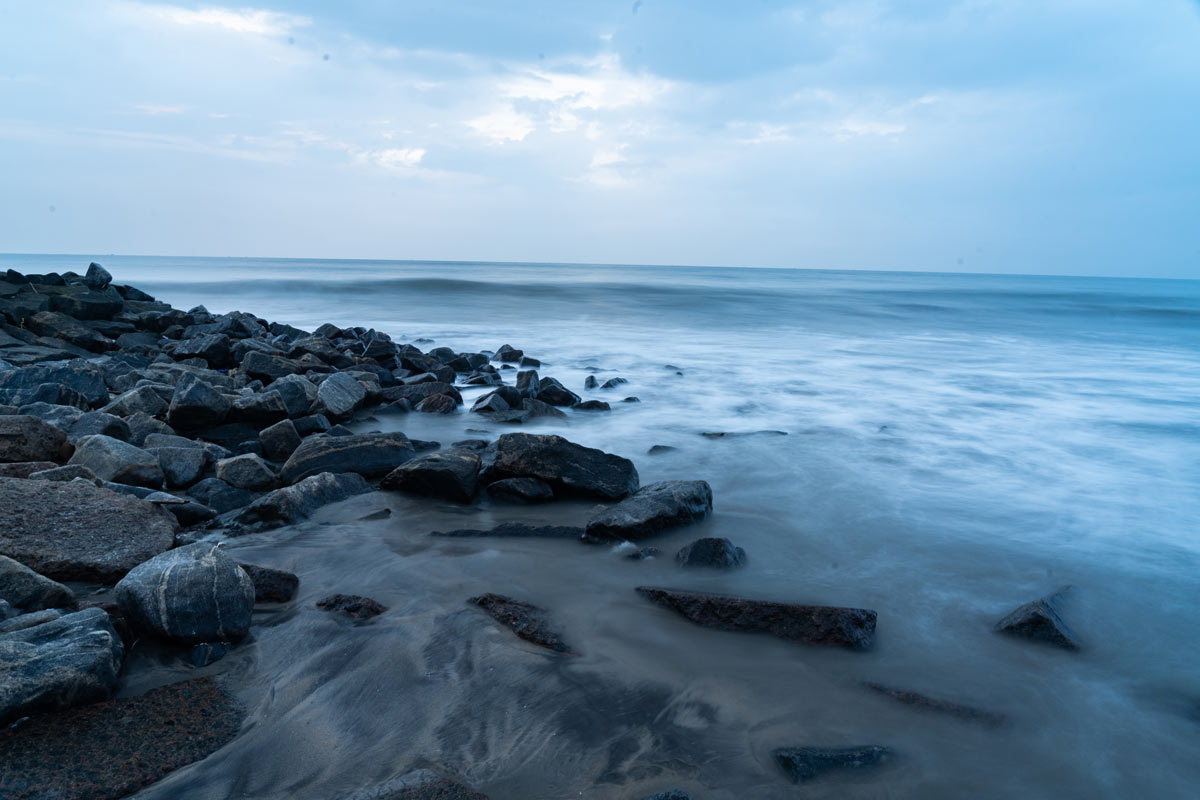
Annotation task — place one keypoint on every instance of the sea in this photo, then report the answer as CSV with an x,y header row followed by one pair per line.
x,y
940,448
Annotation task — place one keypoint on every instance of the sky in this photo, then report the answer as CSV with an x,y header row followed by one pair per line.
x,y
1022,136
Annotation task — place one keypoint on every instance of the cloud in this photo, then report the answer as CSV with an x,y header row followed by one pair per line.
x,y
601,84
400,158
245,20
858,127
502,125
154,110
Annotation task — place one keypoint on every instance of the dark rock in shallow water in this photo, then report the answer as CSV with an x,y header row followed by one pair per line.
x,y
525,620
97,277
673,794
356,607
120,462
1040,622
660,448
570,469
590,382
667,504
437,404
447,474
520,490
552,392
848,627
642,554
711,552
733,434
416,393
294,503
806,763
110,750
518,530
593,405
924,702
75,531
26,590
372,455
69,661
421,784
271,585
191,594
613,383
26,438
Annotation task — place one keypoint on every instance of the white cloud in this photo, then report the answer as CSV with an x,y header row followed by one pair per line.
x,y
244,20
604,85
858,127
400,158
505,124
154,110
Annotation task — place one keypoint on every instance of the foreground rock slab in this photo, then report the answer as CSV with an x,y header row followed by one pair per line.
x,y
525,620
853,628
75,531
27,438
111,750
570,469
653,508
803,764
69,661
1039,621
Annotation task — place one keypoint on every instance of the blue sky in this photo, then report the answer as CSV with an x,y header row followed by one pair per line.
x,y
1055,136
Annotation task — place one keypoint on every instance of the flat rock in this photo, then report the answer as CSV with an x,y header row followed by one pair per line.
x,y
525,620
803,764
570,469
27,438
117,461
711,552
110,750
517,530
371,455
77,374
75,531
191,594
1039,621
267,368
271,585
446,474
69,661
656,507
294,503
520,490
69,472
354,606
853,628
24,589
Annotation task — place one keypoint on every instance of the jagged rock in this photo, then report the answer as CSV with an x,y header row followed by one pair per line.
x,y
191,594
294,503
280,440
528,383
613,383
447,474
186,512
356,607
848,627
53,394
910,698
214,348
142,425
656,507
26,590
220,496
97,277
416,393
437,404
259,409
27,438
271,585
82,376
803,764
552,392
99,423
142,398
339,395
520,490
120,462
246,472
182,466
298,394
1040,622
372,455
518,530
69,661
196,404
61,417
81,303
711,552
570,469
525,620
60,326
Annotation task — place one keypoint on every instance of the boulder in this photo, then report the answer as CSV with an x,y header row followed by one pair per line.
x,y
711,552
656,507
97,277
1039,621
527,621
446,474
99,423
24,589
70,661
613,383
61,417
271,585
268,368
27,438
295,503
60,326
220,496
191,594
142,425
214,348
76,374
593,405
196,404
54,394
182,466
279,441
356,607
82,303
75,531
260,409
120,462
590,382
520,490
371,455
340,395
853,628
552,392
142,398
509,354
437,404
248,472
802,764
416,393
528,383
570,469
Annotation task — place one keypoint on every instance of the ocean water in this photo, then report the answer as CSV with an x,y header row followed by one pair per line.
x,y
939,448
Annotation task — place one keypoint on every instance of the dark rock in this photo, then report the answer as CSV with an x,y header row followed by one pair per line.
x,y
183,466
267,368
70,661
382,513
237,438
113,460
631,400
667,504
52,393
421,784
214,348
196,404
97,277
509,354
518,530
593,405
525,620
297,393
489,404
946,707
66,473
415,394
437,404
294,503
529,361
613,383
112,749
848,627
528,383
83,303
520,490
142,425
272,585
660,448
27,438
248,472
570,469
711,552
220,496
372,455
82,376
207,653
478,445
187,513
259,410
733,434
339,395
356,607
1040,622
191,594
803,764
142,398
95,423
447,474
590,382
552,392
641,554
23,469
26,590
280,440
673,794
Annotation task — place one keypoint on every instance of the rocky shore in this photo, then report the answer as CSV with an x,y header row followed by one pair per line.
x,y
135,438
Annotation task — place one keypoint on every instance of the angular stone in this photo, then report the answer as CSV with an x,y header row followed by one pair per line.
x,y
120,462
259,410
97,277
437,404
271,585
593,405
27,438
82,376
23,621
340,395
60,326
220,496
371,455
280,440
847,627
294,503
267,368
191,594
142,398
711,552
356,607
552,392
520,490
215,348
26,590
182,466
248,472
83,303
99,423
421,784
1040,622
68,472
570,469
656,507
447,474
418,392
803,764
196,404
525,620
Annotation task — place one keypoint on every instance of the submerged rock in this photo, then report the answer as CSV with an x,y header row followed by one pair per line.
x,y
447,474
570,469
525,620
806,763
711,552
517,530
924,702
24,589
1040,622
847,627
294,503
667,504
354,606
191,594
371,455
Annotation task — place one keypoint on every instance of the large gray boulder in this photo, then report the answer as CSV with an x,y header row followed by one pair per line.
x,y
76,531
339,395
295,503
120,462
248,472
27,438
24,589
448,474
213,348
570,469
196,404
77,374
667,504
191,594
371,455
143,398
69,661
99,423
183,466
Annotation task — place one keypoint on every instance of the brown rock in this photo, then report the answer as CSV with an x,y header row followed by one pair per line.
x,y
26,438
525,620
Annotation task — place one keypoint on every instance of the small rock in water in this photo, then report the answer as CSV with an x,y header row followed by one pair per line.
x,y
356,607
918,700
438,404
382,513
294,503
590,382
660,448
711,552
613,383
641,554
1040,622
271,585
806,763
525,620
207,653
593,405
631,399
656,507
